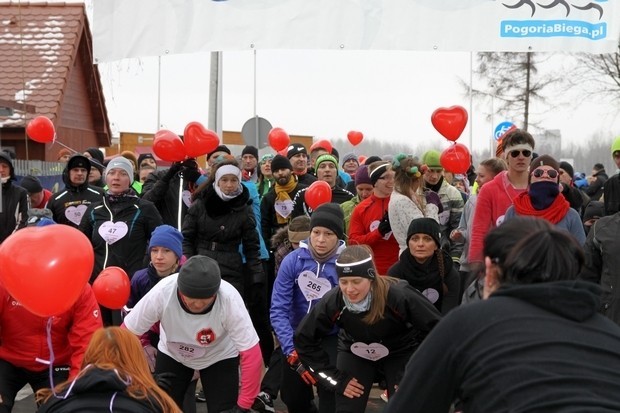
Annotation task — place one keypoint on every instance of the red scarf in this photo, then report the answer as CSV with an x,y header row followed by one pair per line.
x,y
554,213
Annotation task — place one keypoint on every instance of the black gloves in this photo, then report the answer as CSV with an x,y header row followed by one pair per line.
x,y
164,380
172,171
384,225
190,171
295,364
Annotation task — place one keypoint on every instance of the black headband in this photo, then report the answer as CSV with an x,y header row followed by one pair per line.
x,y
364,268
376,174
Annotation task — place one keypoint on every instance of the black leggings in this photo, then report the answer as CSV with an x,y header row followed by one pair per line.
x,y
12,379
220,381
365,371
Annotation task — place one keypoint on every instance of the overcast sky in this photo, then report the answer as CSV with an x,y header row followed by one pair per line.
x,y
385,95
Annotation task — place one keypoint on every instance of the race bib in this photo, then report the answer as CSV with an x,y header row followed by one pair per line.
x,y
75,213
186,351
284,208
313,287
375,224
113,231
431,295
444,217
187,198
372,351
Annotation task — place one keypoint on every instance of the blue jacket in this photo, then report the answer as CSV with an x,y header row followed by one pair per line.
x,y
288,303
264,254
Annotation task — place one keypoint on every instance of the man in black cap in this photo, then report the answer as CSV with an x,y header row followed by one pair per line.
x,y
38,195
212,157
14,212
249,163
577,199
277,204
298,155
69,205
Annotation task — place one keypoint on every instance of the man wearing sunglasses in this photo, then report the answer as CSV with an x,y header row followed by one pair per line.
x,y
498,195
544,200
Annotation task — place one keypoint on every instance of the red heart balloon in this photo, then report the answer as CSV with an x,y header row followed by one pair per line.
x,y
112,287
355,137
199,140
168,146
450,122
456,159
362,159
278,139
318,193
41,129
46,268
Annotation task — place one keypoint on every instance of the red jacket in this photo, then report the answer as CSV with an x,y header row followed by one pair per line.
x,y
23,336
366,215
494,199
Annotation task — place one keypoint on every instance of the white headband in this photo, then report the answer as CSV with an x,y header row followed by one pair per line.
x,y
227,170
520,146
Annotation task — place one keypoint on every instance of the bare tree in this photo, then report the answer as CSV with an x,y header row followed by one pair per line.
x,y
513,83
598,75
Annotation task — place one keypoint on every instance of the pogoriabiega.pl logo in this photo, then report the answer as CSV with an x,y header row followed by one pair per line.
x,y
577,20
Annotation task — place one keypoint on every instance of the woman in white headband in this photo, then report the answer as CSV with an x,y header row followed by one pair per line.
x,y
382,322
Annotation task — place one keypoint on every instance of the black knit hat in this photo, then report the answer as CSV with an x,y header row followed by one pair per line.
x,y
371,159
31,184
294,149
250,150
144,156
280,162
220,148
426,226
568,168
329,216
96,153
199,277
78,161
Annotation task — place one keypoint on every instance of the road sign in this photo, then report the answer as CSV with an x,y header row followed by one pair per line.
x,y
255,131
502,128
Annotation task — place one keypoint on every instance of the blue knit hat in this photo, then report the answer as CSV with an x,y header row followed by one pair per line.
x,y
168,237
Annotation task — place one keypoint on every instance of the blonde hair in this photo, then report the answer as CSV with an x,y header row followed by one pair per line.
x,y
379,286
114,348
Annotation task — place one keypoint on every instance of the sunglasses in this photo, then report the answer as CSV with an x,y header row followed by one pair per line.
x,y
527,153
551,173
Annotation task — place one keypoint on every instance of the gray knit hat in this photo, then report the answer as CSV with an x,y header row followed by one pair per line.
x,y
122,163
199,277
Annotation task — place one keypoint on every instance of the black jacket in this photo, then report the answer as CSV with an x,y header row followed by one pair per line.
x,y
14,213
163,191
441,289
217,228
268,219
99,391
595,189
130,251
408,318
528,348
69,205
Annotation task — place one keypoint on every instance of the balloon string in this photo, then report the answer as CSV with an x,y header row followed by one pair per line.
x,y
51,348
62,144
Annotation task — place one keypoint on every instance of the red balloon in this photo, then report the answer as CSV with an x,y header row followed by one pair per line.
x,y
199,140
362,159
278,139
112,287
355,137
323,143
46,268
41,129
318,193
456,159
450,122
168,146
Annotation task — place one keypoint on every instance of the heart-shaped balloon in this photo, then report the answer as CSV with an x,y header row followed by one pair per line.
x,y
278,139
450,122
199,140
41,129
456,159
318,193
112,287
168,146
46,268
362,159
355,137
